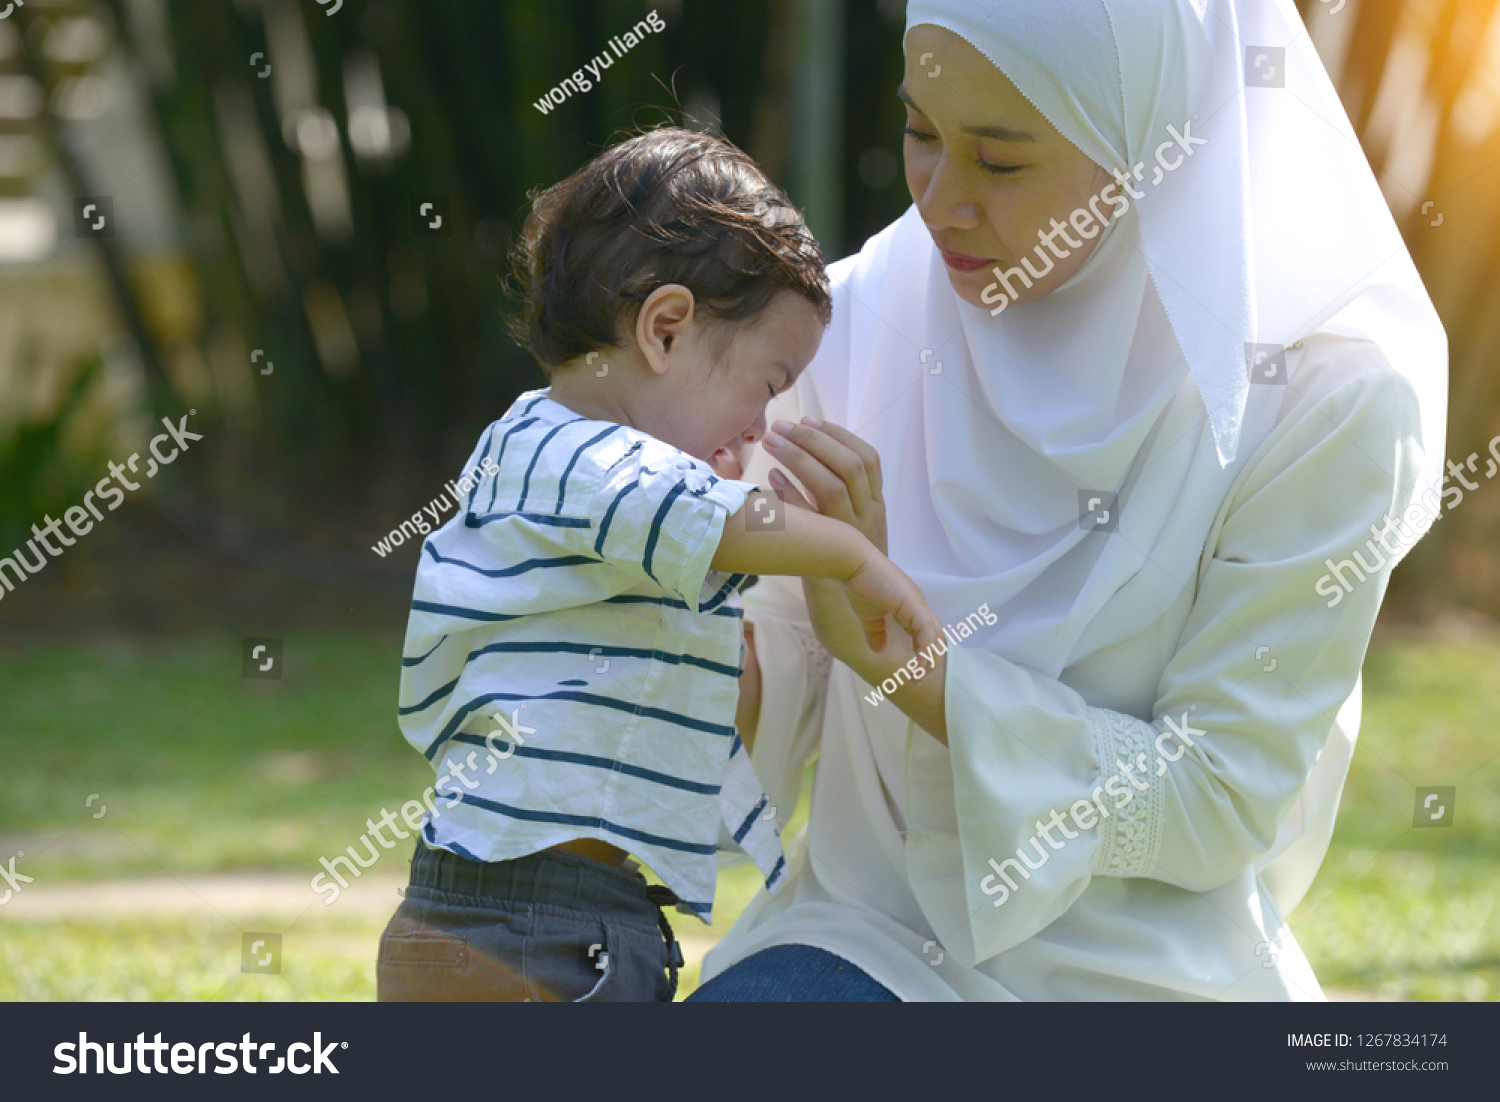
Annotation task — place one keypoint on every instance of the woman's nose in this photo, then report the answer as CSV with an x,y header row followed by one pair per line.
x,y
944,202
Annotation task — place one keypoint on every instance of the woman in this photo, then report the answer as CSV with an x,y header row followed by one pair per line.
x,y
1132,467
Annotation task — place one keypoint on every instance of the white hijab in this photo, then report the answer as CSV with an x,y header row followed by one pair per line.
x,y
1131,379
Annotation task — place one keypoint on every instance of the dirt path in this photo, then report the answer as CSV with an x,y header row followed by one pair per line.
x,y
246,900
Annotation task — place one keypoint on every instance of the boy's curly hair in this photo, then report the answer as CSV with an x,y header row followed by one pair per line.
x,y
666,206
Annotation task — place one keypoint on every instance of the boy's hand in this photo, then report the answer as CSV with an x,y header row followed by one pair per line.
x,y
881,587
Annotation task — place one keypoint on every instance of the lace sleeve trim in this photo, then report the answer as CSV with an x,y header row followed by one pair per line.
x,y
819,661
1130,838
815,657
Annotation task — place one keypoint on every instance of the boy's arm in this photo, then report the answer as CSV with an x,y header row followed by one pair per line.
x,y
810,545
804,543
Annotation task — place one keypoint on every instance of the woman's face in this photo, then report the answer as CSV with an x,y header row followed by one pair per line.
x,y
988,172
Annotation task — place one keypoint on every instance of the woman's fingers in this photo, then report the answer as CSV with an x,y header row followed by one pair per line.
x,y
833,473
868,456
782,487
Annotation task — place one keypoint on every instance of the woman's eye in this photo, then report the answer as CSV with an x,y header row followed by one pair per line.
x,y
996,170
771,389
993,170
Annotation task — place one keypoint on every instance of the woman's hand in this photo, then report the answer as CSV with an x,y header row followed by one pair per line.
x,y
839,470
842,473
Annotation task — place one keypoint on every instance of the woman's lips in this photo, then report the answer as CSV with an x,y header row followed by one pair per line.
x,y
962,263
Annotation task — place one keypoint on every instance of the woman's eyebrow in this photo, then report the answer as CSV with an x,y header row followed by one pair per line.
x,y
995,133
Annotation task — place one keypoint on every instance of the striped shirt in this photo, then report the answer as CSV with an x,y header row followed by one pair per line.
x,y
571,666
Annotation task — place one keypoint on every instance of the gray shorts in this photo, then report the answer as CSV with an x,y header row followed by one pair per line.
x,y
548,927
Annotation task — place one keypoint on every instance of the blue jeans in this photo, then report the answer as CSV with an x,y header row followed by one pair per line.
x,y
792,974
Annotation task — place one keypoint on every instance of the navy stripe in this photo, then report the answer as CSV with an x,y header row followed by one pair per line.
x,y
730,586
436,695
519,568
533,404
537,454
464,613
418,661
504,440
627,454
670,602
609,515
656,523
484,451
776,871
574,648
454,847
734,747
674,718
597,762
562,483
739,835
607,652
592,822
535,518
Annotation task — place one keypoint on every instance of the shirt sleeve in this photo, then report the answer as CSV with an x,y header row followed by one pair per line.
x,y
1038,792
658,514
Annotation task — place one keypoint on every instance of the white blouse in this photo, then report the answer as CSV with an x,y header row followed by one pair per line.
x,y
1139,827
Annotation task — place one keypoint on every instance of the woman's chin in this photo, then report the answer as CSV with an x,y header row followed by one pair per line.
x,y
970,286
981,290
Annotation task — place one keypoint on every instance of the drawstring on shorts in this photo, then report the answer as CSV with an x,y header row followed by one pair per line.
x,y
663,897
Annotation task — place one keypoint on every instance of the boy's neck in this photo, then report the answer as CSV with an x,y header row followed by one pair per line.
x,y
586,401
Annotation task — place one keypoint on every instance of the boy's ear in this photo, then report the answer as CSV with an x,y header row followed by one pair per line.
x,y
663,318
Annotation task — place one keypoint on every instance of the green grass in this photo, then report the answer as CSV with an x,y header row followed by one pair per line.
x,y
204,772
200,769
1410,913
182,959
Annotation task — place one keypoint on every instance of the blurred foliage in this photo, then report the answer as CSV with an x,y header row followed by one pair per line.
x,y
39,476
1445,84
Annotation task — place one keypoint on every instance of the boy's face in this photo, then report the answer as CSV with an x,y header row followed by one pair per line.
x,y
715,408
